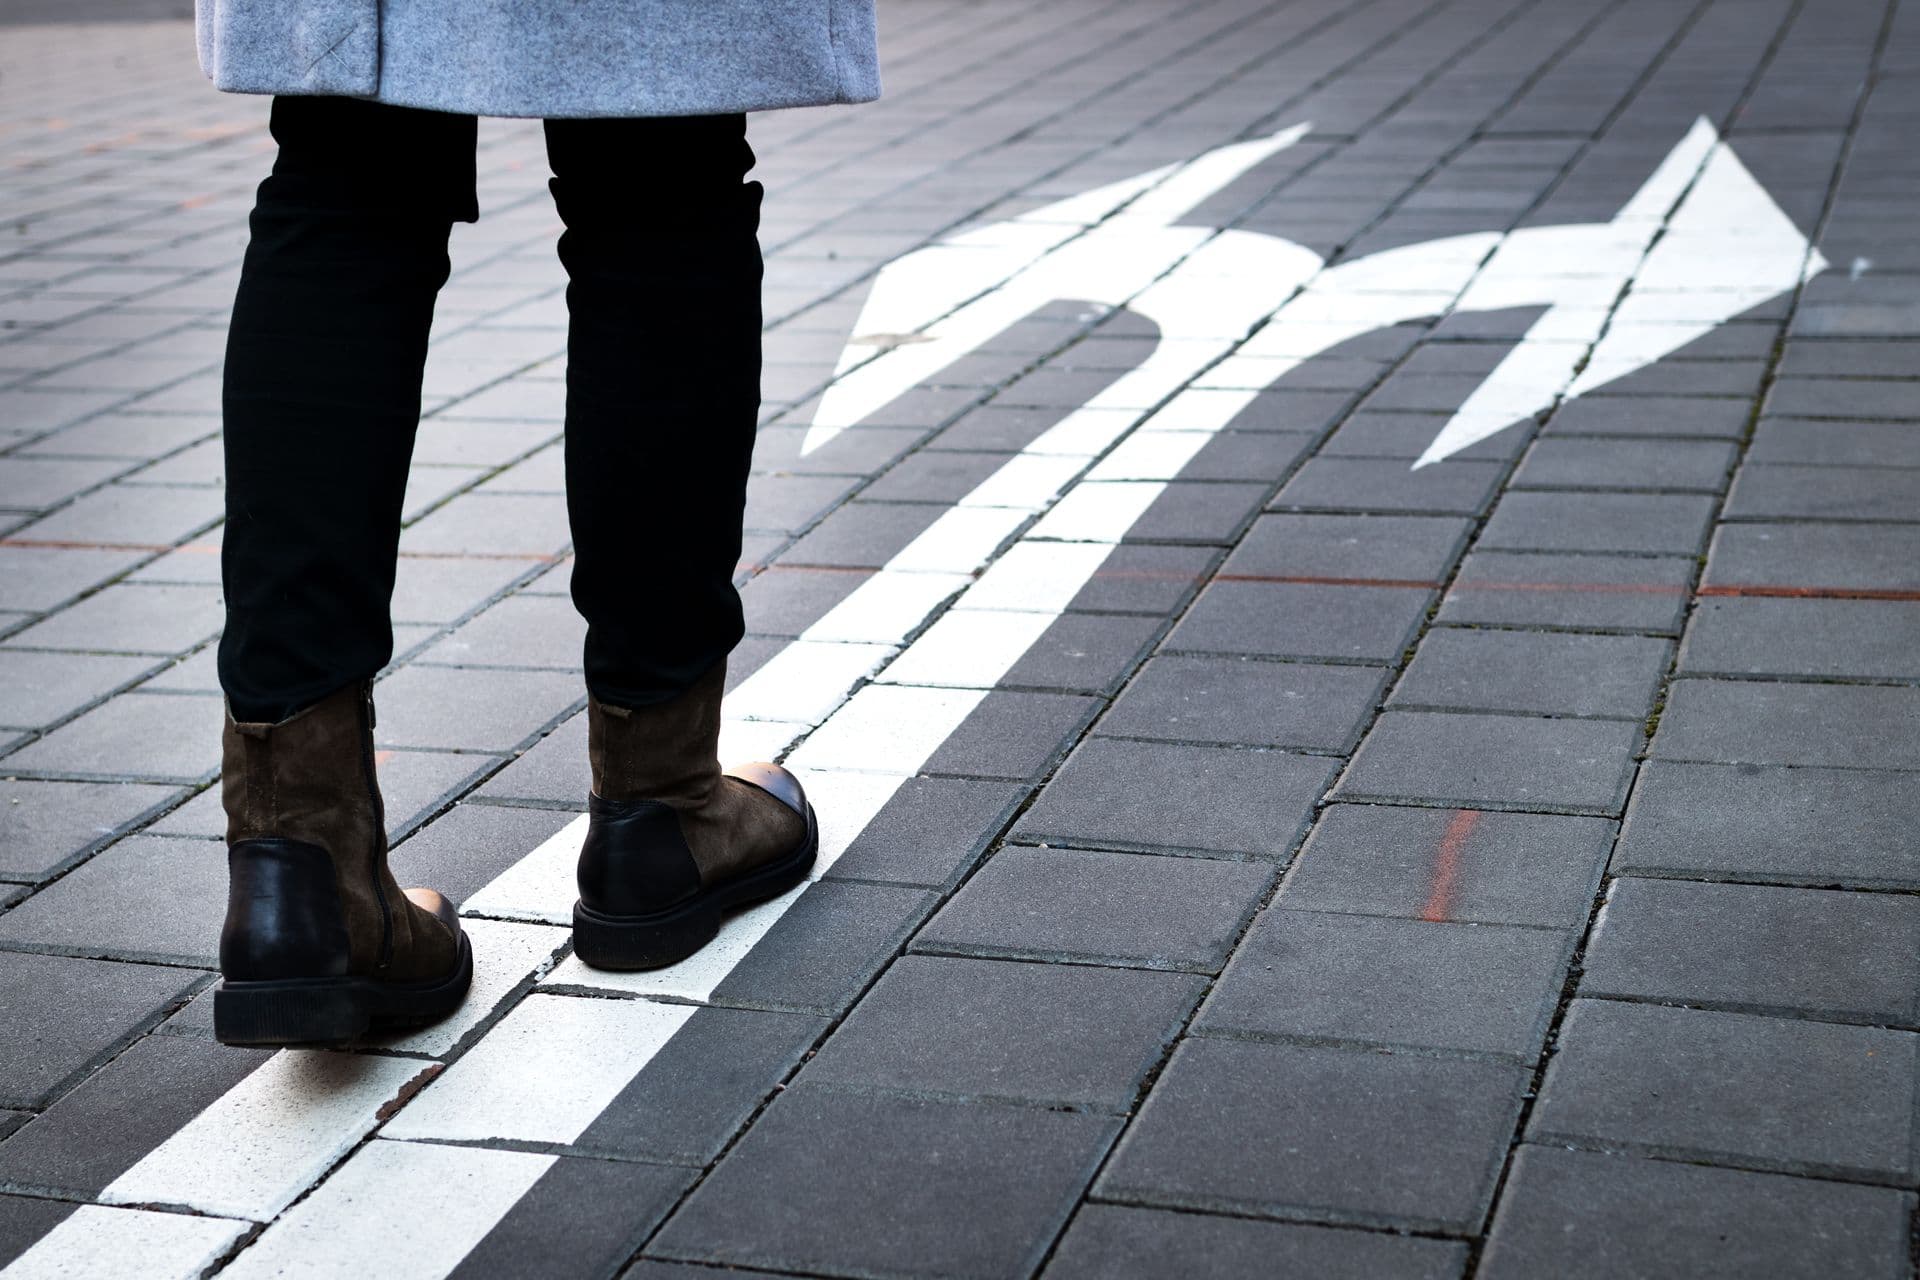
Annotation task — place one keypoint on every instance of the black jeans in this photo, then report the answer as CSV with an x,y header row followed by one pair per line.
x,y
323,374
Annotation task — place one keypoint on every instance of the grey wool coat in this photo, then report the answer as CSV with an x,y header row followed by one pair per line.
x,y
547,57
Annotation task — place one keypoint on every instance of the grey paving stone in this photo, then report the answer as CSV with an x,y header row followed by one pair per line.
x,y
154,737
1859,639
1841,956
941,475
495,711
439,590
1085,653
1334,1135
1732,1088
1302,620
552,771
521,526
1579,592
1209,512
519,631
1855,397
35,579
120,1113
65,1015
1514,762
582,1218
1240,702
1462,487
995,428
1573,463
1634,523
1760,722
1138,795
144,898
1113,1242
1694,377
1396,550
44,824
706,1082
1439,864
862,535
1835,444
785,601
1775,492
1369,980
119,514
789,503
930,832
37,689
1547,674
860,1185
1104,908
857,451
1287,409
1074,1036
1844,359
34,484
1247,455
1800,559
1563,1211
1841,827
1012,735
1725,418
461,851
826,948
1407,435
24,1219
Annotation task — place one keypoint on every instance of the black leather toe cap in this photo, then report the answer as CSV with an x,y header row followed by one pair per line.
x,y
775,781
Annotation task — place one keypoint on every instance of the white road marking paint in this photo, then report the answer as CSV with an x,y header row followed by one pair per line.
x,y
396,1209
1700,242
96,1243
504,955
278,1131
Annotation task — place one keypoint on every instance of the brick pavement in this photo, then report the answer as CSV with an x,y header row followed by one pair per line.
x,y
1245,853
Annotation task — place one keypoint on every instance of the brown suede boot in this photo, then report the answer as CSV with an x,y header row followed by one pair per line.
x,y
673,842
320,944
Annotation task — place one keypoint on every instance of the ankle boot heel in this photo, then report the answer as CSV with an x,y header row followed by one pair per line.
x,y
635,943
324,1012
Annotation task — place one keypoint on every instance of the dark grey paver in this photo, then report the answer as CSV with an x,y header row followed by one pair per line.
x,y
1302,620
460,852
1732,1088
1247,455
1439,864
1835,444
1246,703
1804,558
1113,794
144,898
1388,485
1085,653
553,770
1748,822
1110,908
1287,409
1013,735
1856,396
1515,762
1638,523
1587,1217
1775,492
1113,1242
582,1218
150,736
1761,722
440,707
1859,639
862,535
1335,1135
826,947
43,824
65,1014
1816,952
1583,592
24,1219
519,631
1573,463
862,1185
1370,980
1386,549
1651,416
1208,513
125,1110
1136,578
1076,1036
1844,359
786,601
130,618
944,476
40,578
1572,675
1406,436
930,832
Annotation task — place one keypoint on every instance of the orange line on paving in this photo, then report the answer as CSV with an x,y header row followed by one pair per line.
x,y
1446,865
1595,588
58,544
1310,580
1813,593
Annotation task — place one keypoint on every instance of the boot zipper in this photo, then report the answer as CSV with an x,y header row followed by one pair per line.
x,y
379,830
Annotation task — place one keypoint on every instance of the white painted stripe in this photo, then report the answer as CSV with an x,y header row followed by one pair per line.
x,y
397,1209
505,954
960,541
892,729
1098,511
1040,577
539,887
887,607
543,1074
968,649
96,1243
269,1137
805,681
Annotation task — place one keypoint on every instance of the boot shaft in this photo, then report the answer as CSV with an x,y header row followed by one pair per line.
x,y
668,752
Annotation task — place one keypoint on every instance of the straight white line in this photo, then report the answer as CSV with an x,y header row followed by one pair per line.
x,y
98,1242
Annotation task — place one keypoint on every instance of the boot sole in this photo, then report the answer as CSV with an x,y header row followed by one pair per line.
x,y
662,938
334,1011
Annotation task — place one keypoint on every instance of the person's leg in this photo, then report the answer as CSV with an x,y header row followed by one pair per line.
x,y
663,392
321,402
